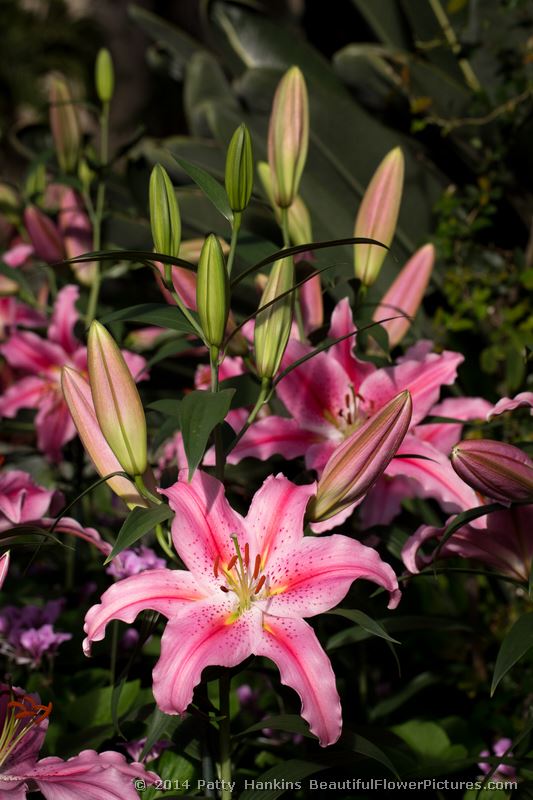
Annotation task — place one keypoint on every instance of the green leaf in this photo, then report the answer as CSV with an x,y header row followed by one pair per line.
x,y
515,645
282,774
359,744
429,741
94,708
200,412
172,39
170,408
367,623
138,522
418,684
463,519
212,189
159,726
181,773
246,390
151,314
290,723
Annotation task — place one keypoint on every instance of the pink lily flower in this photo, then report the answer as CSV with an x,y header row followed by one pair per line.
x,y
523,399
44,235
334,393
503,541
76,231
39,362
251,582
23,727
22,502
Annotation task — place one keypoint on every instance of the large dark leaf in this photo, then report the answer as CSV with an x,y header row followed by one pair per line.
x,y
152,314
139,522
200,412
515,645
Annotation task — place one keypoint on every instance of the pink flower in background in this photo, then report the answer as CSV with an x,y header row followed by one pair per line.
x,y
499,749
334,393
502,540
39,362
23,502
27,633
522,400
23,727
251,582
132,562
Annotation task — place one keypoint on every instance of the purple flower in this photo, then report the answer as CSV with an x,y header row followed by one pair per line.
x,y
27,633
135,748
499,748
131,562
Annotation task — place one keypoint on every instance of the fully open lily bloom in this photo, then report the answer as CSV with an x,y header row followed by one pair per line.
x,y
250,583
39,362
332,395
503,540
23,726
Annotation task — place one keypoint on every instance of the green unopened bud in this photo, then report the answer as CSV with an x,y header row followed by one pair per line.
x,y
64,124
212,292
288,136
85,174
239,176
104,75
273,326
35,185
164,213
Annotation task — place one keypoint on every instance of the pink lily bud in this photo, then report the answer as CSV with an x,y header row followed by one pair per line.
x,y
64,124
378,215
79,400
405,294
75,228
44,235
498,470
116,400
357,463
288,136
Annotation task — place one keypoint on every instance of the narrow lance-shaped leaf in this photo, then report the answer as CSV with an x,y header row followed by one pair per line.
x,y
199,413
139,522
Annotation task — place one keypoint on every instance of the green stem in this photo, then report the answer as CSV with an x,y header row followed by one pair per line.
x,y
169,286
234,236
163,543
220,459
264,394
143,489
297,304
99,213
225,736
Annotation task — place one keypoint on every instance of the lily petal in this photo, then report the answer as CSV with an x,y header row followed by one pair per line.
x,y
161,590
27,351
443,435
304,666
320,573
64,318
272,436
204,523
423,378
509,404
203,635
342,323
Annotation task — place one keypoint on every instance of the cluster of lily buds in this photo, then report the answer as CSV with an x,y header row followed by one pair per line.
x,y
212,292
273,326
359,461
165,218
288,136
64,124
498,470
405,294
378,215
239,174
104,76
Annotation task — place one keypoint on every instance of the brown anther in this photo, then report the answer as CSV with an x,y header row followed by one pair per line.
x,y
215,568
47,710
257,566
246,554
224,589
260,584
347,399
232,562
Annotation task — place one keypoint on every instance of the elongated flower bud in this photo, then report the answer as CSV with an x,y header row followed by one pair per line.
x,y
116,400
76,230
64,124
239,177
212,292
44,235
164,213
378,215
288,136
357,463
79,400
406,294
273,326
104,75
500,471
4,566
